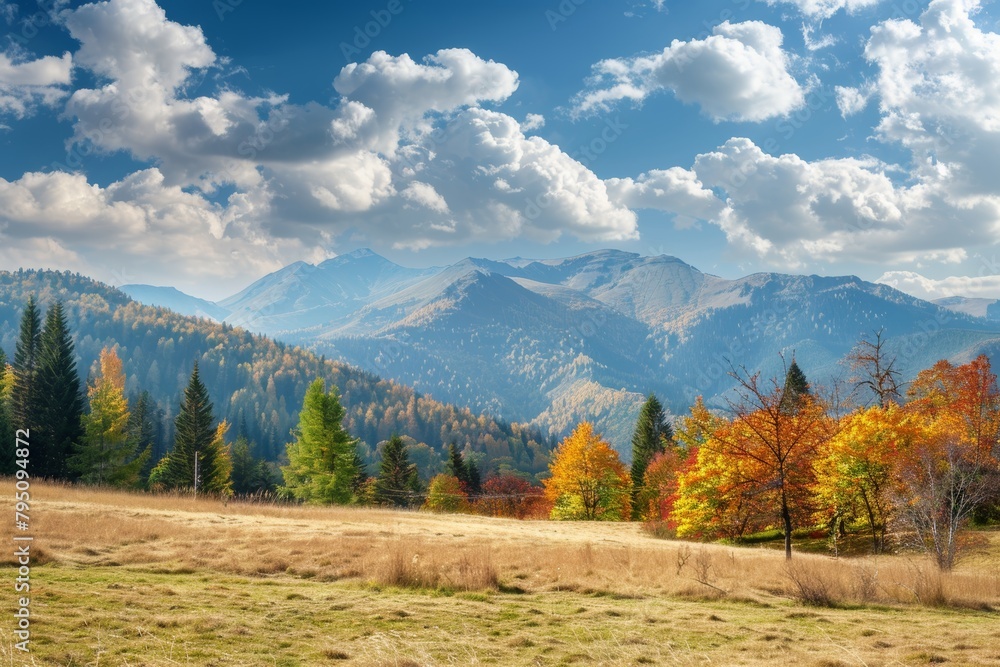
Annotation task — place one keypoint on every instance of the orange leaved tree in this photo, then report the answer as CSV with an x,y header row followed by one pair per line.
x,y
589,481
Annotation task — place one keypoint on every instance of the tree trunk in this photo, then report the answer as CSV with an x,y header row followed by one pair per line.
x,y
786,516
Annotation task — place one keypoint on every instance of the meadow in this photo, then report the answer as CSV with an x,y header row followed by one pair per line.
x,y
130,579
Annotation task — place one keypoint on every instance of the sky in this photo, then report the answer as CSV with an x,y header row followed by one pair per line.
x,y
205,144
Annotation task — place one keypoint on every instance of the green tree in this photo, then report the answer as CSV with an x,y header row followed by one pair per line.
x,y
195,436
651,437
397,478
24,394
107,454
796,389
465,471
143,430
323,459
60,399
445,493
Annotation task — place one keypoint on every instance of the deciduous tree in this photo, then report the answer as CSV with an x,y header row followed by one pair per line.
x,y
588,481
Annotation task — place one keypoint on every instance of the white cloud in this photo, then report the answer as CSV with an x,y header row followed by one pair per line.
x,y
533,121
139,227
792,212
675,190
740,73
26,83
939,91
929,288
824,9
850,100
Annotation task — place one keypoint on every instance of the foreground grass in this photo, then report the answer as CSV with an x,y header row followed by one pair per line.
x,y
138,580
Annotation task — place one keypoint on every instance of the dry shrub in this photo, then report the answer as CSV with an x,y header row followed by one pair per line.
x,y
413,564
814,586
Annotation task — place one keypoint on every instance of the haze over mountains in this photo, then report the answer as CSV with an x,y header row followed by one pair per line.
x,y
557,341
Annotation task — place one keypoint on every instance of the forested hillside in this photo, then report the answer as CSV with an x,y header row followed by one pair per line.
x,y
257,384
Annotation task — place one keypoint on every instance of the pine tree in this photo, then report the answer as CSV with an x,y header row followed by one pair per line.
x,y
107,453
323,460
397,478
60,399
142,430
7,444
24,395
456,464
796,389
651,436
194,434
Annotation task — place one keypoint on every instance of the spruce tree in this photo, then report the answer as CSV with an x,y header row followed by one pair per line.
x,y
651,435
323,459
456,464
143,429
60,399
397,480
194,434
24,394
108,452
796,389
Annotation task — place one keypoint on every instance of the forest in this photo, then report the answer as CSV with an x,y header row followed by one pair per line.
x,y
901,466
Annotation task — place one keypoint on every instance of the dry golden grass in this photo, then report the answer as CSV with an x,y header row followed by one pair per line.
x,y
459,552
165,555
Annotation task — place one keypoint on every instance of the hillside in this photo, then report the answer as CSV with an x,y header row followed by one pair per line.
x,y
553,342
254,380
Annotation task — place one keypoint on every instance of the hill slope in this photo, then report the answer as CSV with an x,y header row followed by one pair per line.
x,y
253,379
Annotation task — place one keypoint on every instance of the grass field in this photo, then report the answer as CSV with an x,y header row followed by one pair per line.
x,y
122,579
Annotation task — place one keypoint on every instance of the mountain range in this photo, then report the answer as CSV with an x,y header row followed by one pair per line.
x,y
552,342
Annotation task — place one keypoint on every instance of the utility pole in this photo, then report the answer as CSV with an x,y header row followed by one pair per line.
x,y
196,474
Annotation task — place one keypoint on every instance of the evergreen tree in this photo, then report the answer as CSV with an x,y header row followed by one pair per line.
x,y
796,389
456,464
652,433
24,395
60,399
397,478
194,434
107,454
7,444
143,430
475,481
323,460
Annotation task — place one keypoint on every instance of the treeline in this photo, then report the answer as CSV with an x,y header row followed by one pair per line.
x,y
257,384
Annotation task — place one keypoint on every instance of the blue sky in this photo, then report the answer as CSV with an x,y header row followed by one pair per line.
x,y
204,144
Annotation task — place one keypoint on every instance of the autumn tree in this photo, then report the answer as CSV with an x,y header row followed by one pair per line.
x,y
508,495
855,469
954,469
774,439
59,398
7,444
397,480
652,436
323,459
588,481
445,493
875,370
108,454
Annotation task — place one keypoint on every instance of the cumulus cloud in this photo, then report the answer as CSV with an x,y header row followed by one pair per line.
x,y
824,9
739,73
26,83
533,121
675,190
915,284
850,100
792,212
939,90
138,226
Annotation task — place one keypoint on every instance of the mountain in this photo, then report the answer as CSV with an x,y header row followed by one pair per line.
x,y
256,383
302,296
175,300
552,342
977,307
